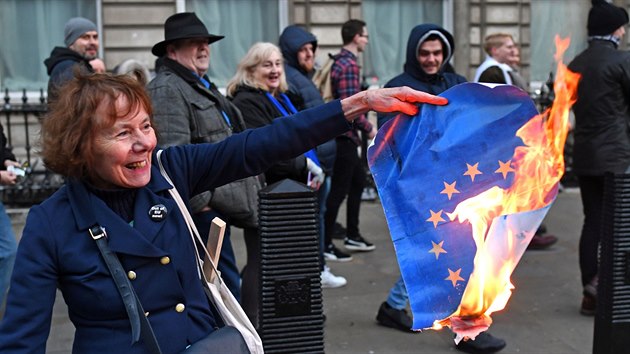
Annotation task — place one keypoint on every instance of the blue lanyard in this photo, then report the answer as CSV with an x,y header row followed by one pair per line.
x,y
311,153
279,106
227,119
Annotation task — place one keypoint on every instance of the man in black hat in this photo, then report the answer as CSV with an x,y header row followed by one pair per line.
x,y
602,140
188,108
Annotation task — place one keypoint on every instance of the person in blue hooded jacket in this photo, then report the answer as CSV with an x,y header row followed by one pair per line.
x,y
298,48
427,68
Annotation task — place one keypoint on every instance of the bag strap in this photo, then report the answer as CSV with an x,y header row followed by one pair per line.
x,y
140,325
194,234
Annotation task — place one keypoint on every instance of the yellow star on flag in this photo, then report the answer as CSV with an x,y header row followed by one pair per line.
x,y
435,217
505,168
454,276
437,249
449,189
472,171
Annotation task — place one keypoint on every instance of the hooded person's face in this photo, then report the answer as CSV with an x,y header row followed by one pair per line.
x,y
306,57
431,56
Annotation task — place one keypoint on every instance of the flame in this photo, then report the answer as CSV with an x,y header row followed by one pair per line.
x,y
539,166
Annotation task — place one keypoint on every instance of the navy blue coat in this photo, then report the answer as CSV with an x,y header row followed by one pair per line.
x,y
56,250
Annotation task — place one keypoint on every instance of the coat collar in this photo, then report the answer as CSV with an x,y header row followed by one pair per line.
x,y
89,210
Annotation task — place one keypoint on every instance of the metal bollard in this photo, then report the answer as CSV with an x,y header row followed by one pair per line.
x,y
291,310
612,321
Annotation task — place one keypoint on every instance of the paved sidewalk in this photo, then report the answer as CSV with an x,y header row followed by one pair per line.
x,y
542,315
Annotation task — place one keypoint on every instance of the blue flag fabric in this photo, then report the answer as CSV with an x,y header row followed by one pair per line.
x,y
425,165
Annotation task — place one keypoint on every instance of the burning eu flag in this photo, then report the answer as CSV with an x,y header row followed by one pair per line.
x,y
464,187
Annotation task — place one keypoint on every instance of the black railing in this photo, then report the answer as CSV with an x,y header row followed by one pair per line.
x,y
21,122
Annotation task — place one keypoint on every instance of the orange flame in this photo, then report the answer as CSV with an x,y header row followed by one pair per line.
x,y
539,165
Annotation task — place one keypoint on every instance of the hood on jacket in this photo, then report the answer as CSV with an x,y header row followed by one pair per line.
x,y
60,54
291,40
418,35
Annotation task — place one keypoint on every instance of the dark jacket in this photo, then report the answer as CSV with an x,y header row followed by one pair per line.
x,y
60,68
602,110
5,151
259,111
291,40
413,75
56,250
186,112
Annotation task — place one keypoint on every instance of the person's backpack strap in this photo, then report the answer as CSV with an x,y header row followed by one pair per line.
x,y
323,81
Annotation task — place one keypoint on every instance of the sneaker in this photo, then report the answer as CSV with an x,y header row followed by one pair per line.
x,y
483,343
368,194
541,242
334,254
330,281
358,243
390,317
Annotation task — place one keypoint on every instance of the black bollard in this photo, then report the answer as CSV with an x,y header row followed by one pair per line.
x,y
291,311
612,320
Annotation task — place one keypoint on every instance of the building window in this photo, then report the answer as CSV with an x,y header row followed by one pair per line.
x,y
29,30
566,18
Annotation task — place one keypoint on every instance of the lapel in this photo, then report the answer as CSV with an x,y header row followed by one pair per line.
x,y
90,210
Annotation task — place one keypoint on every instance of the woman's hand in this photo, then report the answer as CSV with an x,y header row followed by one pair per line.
x,y
385,100
315,173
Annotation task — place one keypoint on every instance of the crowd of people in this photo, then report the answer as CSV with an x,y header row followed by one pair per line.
x,y
102,133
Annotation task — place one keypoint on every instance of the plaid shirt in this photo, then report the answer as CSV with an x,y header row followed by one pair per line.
x,y
346,82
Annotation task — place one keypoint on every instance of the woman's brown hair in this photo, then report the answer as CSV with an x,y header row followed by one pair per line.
x,y
69,127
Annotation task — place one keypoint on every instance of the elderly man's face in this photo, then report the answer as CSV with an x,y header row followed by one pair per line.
x,y
86,45
122,152
192,53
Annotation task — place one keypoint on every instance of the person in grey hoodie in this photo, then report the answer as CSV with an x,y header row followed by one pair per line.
x,y
298,48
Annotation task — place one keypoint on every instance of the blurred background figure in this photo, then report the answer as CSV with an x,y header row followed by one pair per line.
x,y
82,43
298,50
134,68
601,137
8,244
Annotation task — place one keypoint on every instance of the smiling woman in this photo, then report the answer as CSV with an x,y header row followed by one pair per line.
x,y
259,90
99,135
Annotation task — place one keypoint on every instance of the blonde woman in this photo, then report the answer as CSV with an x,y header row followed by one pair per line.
x,y
259,90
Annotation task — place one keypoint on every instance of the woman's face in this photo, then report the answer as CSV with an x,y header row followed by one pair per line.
x,y
268,73
122,152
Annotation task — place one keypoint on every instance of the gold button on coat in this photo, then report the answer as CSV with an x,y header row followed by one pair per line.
x,y
180,307
165,260
131,275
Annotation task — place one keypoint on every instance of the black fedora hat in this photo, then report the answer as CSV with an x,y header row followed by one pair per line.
x,y
182,26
